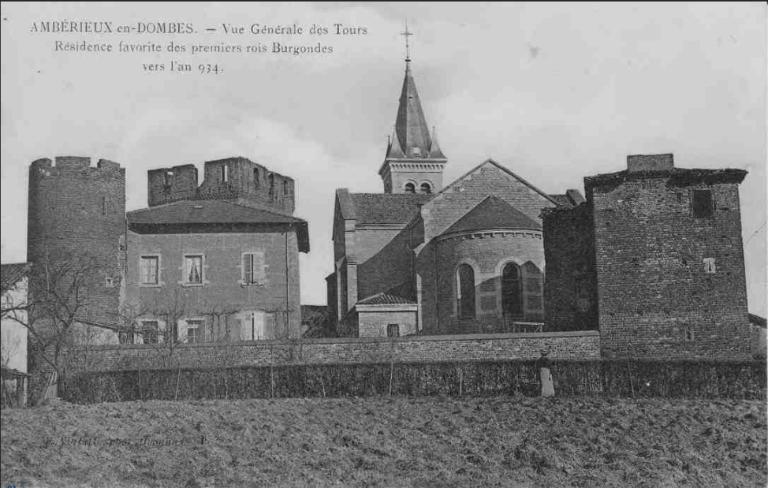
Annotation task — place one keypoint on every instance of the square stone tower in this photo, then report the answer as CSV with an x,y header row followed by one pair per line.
x,y
667,262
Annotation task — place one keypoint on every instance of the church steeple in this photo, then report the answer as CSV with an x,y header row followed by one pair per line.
x,y
413,161
411,126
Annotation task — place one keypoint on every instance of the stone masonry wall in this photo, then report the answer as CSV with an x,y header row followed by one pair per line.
x,y
487,254
224,179
657,299
76,214
570,287
562,345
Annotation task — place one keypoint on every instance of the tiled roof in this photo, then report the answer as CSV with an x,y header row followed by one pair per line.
x,y
386,208
10,274
215,212
385,299
493,213
207,212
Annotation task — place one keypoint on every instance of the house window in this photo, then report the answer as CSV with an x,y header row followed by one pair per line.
x,y
466,292
410,188
195,330
149,268
271,179
193,269
393,330
109,282
125,336
253,268
285,187
426,188
709,266
149,331
167,179
702,203
225,173
511,291
256,177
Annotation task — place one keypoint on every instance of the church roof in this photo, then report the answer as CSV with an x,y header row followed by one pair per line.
x,y
384,208
493,213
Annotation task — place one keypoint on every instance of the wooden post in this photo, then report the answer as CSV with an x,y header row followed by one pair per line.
x,y
178,377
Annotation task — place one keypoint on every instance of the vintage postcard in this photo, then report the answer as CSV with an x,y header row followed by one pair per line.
x,y
383,244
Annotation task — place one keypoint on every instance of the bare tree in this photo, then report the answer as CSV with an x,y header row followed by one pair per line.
x,y
56,301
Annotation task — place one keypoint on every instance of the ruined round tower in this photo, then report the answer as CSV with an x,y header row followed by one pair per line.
x,y
76,215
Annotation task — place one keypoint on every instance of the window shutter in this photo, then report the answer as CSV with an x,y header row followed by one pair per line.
x,y
253,267
248,268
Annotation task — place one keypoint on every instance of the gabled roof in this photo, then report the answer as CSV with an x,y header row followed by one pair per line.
x,y
216,212
502,168
11,273
385,299
380,208
493,213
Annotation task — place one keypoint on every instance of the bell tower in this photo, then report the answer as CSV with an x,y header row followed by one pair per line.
x,y
414,162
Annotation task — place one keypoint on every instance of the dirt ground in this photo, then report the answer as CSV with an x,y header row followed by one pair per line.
x,y
388,442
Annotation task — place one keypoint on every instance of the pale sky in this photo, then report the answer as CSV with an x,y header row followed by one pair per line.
x,y
555,92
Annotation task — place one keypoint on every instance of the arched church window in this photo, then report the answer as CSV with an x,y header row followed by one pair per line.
x,y
466,291
511,291
533,292
426,188
410,188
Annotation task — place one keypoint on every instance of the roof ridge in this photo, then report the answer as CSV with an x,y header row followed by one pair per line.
x,y
503,168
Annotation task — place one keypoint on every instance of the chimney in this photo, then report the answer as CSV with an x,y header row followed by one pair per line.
x,y
649,162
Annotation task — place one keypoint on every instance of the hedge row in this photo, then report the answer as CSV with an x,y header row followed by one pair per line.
x,y
671,379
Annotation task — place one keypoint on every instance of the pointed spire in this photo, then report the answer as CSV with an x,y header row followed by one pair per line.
x,y
411,126
393,149
434,150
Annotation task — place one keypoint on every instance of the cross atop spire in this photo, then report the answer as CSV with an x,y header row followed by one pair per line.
x,y
407,34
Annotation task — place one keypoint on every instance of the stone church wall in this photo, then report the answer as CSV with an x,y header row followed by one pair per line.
x,y
486,253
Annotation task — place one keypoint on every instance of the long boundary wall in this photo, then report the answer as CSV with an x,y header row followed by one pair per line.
x,y
580,345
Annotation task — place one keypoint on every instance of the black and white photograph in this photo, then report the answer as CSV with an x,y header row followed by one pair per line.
x,y
383,244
